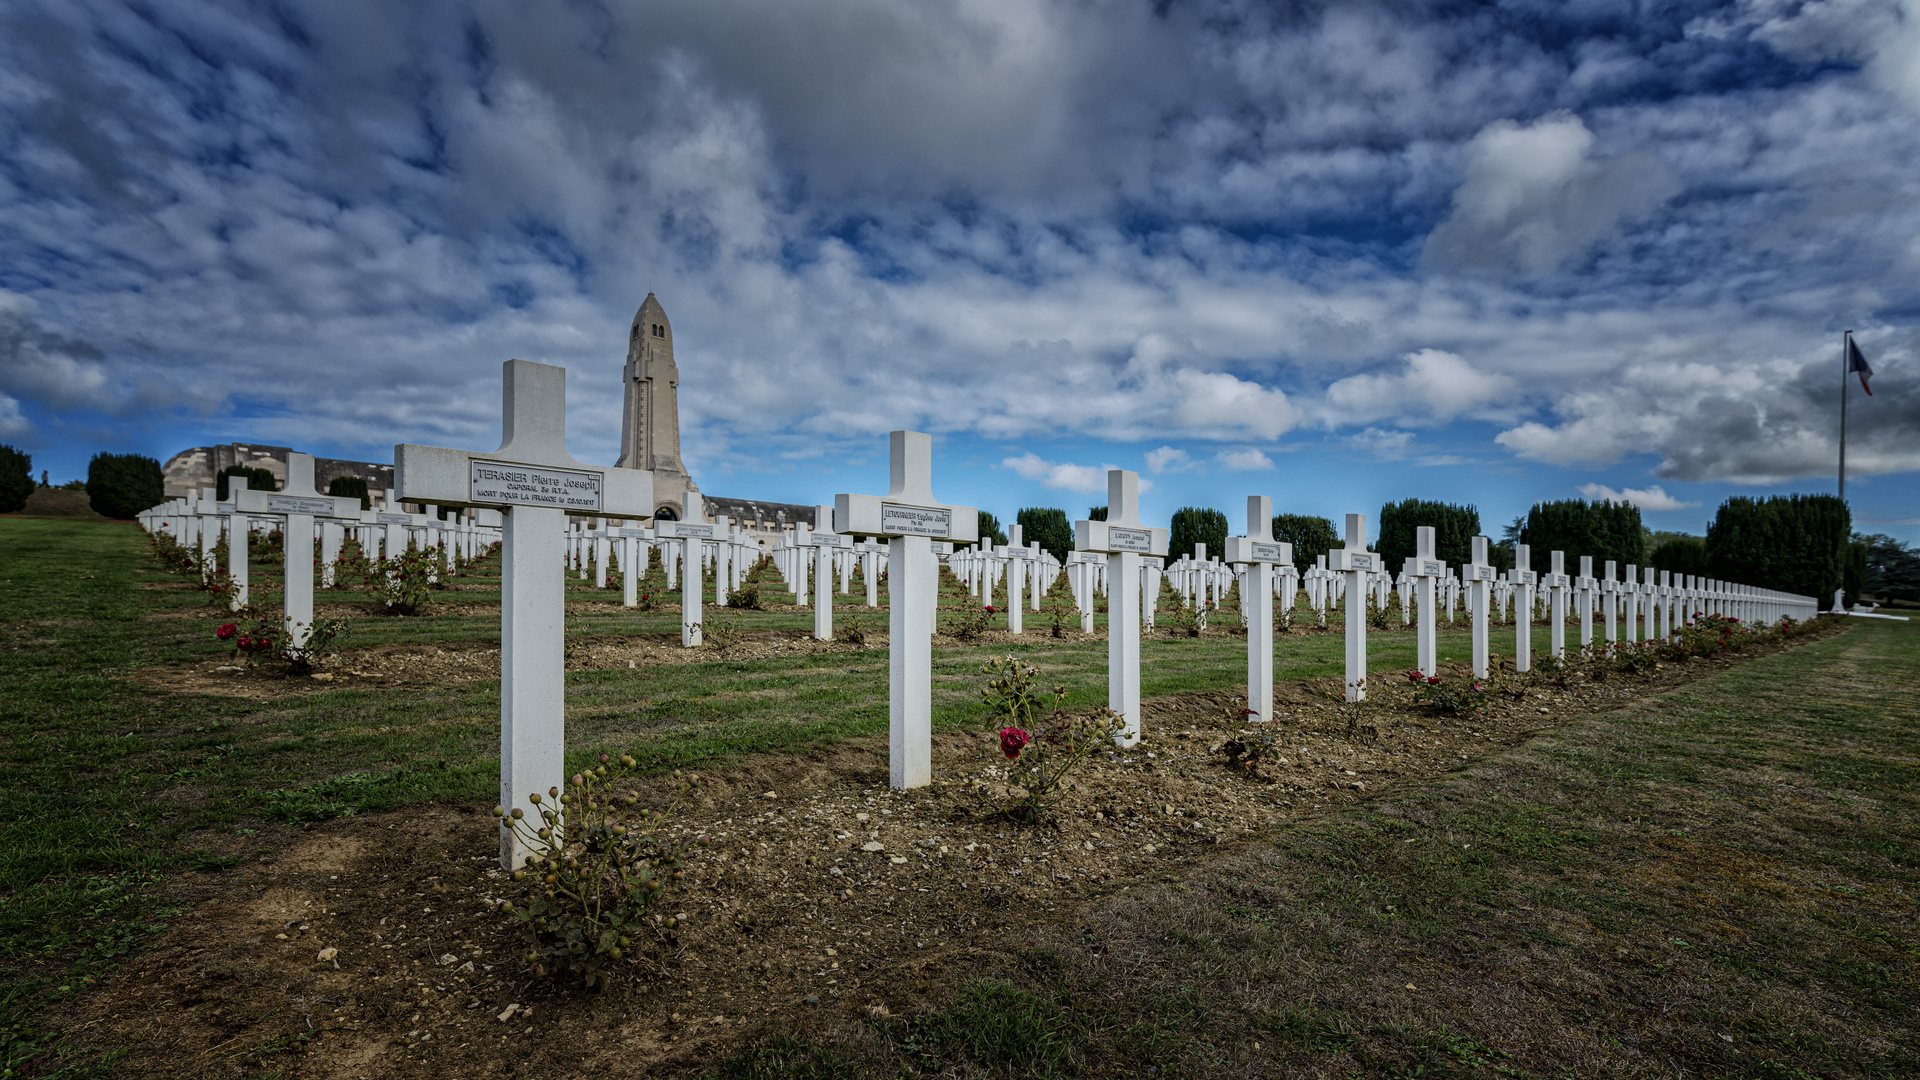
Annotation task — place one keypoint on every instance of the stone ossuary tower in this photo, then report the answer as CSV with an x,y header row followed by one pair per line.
x,y
650,420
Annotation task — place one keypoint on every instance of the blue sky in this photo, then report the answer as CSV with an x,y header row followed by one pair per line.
x,y
1336,254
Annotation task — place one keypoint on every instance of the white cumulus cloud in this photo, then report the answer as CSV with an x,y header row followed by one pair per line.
x,y
1647,498
1535,197
1086,479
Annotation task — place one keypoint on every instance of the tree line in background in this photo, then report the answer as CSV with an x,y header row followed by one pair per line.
x,y
1794,543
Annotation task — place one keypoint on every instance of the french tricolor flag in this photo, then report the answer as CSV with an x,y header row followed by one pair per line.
x,y
1858,363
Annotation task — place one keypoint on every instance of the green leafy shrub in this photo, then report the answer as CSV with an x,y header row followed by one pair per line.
x,y
1250,748
597,867
1310,536
16,479
968,621
990,531
257,480
269,639
122,485
1194,525
351,487
1448,697
1454,528
748,596
403,585
1043,758
1013,694
849,631
1047,526
1603,530
1794,543
721,632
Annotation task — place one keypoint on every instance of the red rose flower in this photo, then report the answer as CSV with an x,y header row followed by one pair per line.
x,y
989,610
1012,741
226,631
1433,680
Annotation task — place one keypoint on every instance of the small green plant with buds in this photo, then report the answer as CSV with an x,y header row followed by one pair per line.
x,y
597,866
1013,695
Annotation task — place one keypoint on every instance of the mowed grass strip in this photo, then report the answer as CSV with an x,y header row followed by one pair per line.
x,y
1720,881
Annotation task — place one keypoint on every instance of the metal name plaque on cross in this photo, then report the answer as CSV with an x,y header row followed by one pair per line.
x,y
1267,552
534,485
685,530
289,504
1140,540
635,534
830,540
394,519
226,508
1525,577
1360,561
899,519
1482,572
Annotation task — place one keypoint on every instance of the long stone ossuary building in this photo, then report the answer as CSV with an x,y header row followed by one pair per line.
x,y
649,439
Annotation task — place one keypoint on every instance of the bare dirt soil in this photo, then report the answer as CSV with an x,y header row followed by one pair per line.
x,y
825,896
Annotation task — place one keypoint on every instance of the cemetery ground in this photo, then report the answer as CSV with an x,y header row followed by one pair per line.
x,y
1705,869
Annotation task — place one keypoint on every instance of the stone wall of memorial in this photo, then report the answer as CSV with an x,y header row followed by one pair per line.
x,y
191,470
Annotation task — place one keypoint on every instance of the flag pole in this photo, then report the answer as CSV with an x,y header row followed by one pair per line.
x,y
1846,339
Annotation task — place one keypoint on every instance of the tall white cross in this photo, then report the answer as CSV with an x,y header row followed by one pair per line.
x,y
1123,540
1557,583
1426,570
1355,561
1610,596
1589,588
693,535
1523,579
1480,574
300,504
911,519
1259,554
237,529
825,542
537,484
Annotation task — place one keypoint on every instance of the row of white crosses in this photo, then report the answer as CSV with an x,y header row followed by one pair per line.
x,y
535,483
204,521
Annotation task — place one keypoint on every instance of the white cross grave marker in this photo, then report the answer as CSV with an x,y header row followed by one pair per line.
x,y
237,529
1523,578
1558,583
910,518
692,535
825,542
1355,561
536,483
1426,571
1259,554
301,504
1123,540
1481,575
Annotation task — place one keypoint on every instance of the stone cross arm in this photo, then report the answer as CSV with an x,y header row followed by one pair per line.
x,y
1122,531
908,508
298,497
532,466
